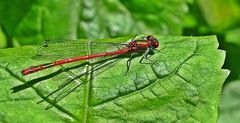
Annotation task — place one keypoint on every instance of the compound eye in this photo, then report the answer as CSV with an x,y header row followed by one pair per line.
x,y
155,43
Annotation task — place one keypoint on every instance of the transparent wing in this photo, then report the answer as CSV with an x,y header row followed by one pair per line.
x,y
73,48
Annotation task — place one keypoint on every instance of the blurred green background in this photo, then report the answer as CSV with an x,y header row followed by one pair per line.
x,y
28,22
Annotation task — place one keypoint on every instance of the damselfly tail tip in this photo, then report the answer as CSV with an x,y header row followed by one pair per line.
x,y
24,72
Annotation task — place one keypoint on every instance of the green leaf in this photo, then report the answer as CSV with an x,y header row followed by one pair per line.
x,y
232,36
13,12
220,14
230,112
183,85
3,41
72,19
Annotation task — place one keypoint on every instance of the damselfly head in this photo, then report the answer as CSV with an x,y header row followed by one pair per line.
x,y
153,41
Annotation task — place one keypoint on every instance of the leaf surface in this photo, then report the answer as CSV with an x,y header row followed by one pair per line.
x,y
183,84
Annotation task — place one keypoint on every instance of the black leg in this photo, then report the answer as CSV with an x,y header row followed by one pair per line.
x,y
128,65
141,59
134,37
145,56
129,62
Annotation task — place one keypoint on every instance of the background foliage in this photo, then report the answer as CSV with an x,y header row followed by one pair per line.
x,y
28,22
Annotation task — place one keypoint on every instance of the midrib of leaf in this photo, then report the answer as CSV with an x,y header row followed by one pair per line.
x,y
87,95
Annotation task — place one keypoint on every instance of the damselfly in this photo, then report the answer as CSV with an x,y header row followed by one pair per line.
x,y
143,45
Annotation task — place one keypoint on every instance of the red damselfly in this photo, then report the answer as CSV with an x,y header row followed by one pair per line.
x,y
144,45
